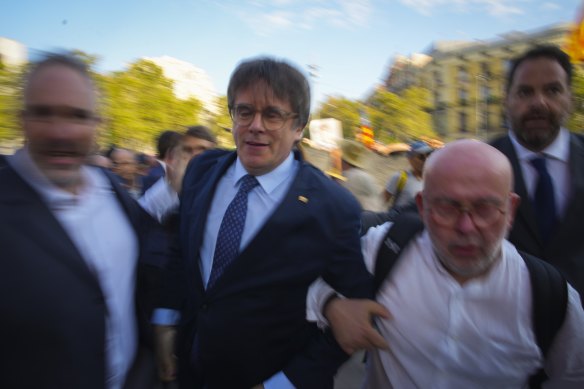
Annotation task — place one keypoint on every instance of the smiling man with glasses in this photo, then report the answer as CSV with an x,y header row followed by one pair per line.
x,y
258,225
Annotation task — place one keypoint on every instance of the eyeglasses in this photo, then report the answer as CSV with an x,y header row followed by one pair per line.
x,y
483,213
273,118
44,113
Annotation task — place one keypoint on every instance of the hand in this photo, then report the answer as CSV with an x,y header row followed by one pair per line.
x,y
175,168
164,338
352,323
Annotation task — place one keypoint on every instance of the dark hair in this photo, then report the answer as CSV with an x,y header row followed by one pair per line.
x,y
286,81
552,52
167,140
201,132
57,59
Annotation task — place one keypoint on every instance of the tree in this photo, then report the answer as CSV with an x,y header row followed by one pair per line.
x,y
576,122
140,103
10,90
400,118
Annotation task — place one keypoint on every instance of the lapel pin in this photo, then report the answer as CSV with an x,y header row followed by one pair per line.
x,y
303,199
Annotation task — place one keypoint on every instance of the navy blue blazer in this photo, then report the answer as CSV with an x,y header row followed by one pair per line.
x,y
565,249
251,323
52,332
153,175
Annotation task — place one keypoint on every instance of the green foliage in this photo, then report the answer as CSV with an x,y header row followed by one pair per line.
x,y
400,118
139,104
221,125
576,122
9,102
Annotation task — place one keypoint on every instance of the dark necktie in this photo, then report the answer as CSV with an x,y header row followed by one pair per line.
x,y
544,199
229,236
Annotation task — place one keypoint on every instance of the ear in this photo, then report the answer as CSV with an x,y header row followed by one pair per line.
x,y
298,133
514,202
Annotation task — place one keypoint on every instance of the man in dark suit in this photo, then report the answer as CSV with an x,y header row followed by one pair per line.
x,y
538,103
166,142
71,240
243,318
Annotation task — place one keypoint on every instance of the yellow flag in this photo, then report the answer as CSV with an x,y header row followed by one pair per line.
x,y
575,43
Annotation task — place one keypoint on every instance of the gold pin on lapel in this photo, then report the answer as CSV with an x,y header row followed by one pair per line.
x,y
303,199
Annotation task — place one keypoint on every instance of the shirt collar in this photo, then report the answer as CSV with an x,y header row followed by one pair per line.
x,y
559,149
56,198
271,180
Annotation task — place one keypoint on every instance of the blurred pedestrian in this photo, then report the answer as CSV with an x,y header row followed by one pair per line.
x,y
71,241
405,184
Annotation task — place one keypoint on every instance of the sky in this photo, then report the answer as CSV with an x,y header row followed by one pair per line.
x,y
351,42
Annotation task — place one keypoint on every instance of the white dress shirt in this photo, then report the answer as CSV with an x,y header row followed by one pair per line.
x,y
101,231
557,156
476,335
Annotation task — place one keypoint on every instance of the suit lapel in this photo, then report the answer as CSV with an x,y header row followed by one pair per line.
x,y
525,212
27,205
295,207
575,204
196,212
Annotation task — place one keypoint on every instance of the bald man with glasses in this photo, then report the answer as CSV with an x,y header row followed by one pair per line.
x,y
460,295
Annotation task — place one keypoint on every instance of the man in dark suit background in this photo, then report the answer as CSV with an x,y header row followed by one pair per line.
x,y
243,318
165,143
538,103
71,240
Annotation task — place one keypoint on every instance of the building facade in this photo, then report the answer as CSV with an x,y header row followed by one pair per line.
x,y
467,80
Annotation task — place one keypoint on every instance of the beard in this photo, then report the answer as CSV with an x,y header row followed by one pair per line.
x,y
536,130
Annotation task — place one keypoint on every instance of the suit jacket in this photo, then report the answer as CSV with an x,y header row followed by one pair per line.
x,y
153,175
251,323
565,248
52,331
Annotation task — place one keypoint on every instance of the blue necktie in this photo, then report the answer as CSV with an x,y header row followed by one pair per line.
x,y
544,199
229,236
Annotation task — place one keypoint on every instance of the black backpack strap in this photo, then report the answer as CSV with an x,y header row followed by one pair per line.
x,y
550,300
404,227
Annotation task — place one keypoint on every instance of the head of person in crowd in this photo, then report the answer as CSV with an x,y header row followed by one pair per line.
x,y
59,118
538,96
417,155
124,164
166,142
143,163
352,154
468,206
269,103
196,140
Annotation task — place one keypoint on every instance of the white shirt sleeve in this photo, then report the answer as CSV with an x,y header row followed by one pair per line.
x,y
565,362
159,200
320,292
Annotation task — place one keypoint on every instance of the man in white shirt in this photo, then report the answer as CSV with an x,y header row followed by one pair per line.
x,y
460,295
70,239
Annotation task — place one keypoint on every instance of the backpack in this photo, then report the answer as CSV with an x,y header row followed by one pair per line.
x,y
548,287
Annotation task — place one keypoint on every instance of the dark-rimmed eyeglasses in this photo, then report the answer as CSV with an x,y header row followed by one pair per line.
x,y
273,118
483,213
